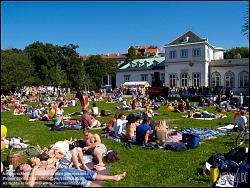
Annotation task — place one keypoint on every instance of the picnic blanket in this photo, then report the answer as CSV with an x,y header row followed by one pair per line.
x,y
203,133
227,127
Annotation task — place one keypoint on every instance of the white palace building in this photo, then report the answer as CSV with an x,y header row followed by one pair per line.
x,y
189,61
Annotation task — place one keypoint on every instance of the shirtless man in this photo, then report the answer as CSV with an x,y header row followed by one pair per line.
x,y
63,176
93,143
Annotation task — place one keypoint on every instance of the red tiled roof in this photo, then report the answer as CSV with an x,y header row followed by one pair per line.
x,y
114,56
84,57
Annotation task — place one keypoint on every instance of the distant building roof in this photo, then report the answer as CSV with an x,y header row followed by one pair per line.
x,y
115,56
188,37
230,62
144,64
84,57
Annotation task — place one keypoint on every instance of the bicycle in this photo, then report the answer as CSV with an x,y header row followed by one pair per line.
x,y
243,135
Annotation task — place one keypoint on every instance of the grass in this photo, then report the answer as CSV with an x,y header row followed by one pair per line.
x,y
145,168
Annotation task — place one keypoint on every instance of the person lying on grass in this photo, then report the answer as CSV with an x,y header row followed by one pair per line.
x,y
63,176
93,144
204,114
63,157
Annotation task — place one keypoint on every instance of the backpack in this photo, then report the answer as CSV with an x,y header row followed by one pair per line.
x,y
191,140
236,154
111,156
176,146
33,151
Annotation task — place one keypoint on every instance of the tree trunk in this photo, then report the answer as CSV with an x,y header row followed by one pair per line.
x,y
79,96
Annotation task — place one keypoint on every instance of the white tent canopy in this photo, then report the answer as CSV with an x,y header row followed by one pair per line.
x,y
136,84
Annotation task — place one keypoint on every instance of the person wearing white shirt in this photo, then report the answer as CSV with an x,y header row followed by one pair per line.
x,y
241,120
119,124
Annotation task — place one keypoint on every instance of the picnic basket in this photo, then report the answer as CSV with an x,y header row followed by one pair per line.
x,y
17,158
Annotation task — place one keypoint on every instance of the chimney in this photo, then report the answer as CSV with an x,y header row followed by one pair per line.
x,y
187,38
118,54
108,54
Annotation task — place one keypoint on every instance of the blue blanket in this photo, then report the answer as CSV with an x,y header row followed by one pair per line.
x,y
203,133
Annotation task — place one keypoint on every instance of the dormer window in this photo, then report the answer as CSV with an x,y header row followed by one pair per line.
x,y
154,64
145,63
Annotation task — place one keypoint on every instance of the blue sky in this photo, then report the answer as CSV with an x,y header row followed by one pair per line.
x,y
111,27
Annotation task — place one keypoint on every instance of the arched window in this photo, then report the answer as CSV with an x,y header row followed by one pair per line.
x,y
243,79
215,79
229,79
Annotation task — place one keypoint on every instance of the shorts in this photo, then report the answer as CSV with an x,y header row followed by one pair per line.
x,y
73,177
101,148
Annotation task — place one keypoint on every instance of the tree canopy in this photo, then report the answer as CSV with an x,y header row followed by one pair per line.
x,y
233,52
16,69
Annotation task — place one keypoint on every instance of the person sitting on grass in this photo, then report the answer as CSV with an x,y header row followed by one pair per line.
x,y
95,110
161,132
131,127
119,125
94,144
63,176
241,120
89,122
144,131
111,123
181,106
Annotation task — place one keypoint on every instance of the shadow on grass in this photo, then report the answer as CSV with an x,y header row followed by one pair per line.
x,y
48,124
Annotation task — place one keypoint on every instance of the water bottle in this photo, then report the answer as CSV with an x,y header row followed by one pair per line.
x,y
214,173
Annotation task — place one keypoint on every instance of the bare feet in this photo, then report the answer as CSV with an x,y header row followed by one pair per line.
x,y
120,176
99,168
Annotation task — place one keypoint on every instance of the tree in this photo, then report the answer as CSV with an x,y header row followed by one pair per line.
x,y
16,70
74,69
97,67
233,52
46,58
245,27
132,55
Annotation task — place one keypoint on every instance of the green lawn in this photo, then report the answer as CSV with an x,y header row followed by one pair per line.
x,y
146,168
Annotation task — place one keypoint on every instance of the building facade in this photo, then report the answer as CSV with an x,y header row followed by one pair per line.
x,y
142,70
189,60
192,61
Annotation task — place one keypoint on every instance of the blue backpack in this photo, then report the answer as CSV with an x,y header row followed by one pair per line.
x,y
191,140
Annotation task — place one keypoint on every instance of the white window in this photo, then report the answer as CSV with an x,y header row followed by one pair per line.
x,y
196,52
229,79
184,80
162,77
243,79
184,53
144,77
172,80
126,78
215,79
196,79
172,54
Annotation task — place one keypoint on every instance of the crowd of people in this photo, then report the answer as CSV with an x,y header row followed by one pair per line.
x,y
64,161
